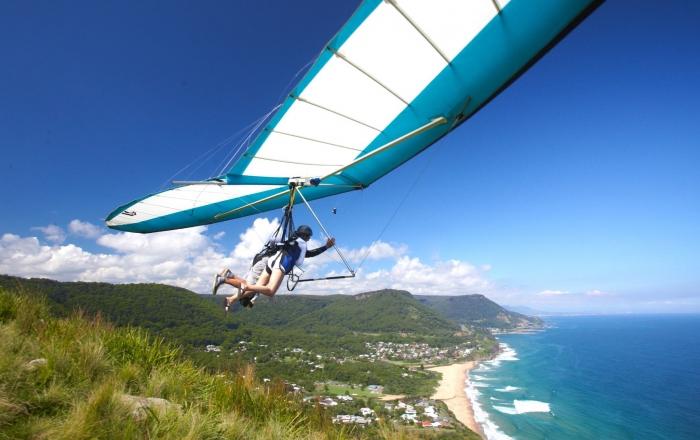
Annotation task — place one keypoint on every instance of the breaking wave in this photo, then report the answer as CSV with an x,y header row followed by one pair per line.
x,y
508,389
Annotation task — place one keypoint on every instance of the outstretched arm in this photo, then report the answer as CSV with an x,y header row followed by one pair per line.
x,y
318,251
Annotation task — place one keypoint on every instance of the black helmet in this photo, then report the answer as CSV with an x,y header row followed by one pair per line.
x,y
304,232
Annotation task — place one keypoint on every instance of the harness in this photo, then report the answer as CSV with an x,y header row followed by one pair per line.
x,y
284,240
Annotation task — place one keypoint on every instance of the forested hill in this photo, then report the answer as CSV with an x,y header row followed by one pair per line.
x,y
383,311
479,311
194,319
172,312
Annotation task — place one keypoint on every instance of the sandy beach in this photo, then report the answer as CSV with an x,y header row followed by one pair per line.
x,y
451,391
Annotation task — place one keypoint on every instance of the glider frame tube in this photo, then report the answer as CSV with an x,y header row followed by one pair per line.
x,y
325,231
434,123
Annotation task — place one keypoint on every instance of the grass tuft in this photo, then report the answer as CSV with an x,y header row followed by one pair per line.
x,y
76,378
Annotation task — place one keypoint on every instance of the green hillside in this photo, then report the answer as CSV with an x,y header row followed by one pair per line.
x,y
384,311
77,378
337,327
172,312
478,311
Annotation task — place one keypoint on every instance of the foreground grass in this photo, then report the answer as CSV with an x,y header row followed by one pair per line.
x,y
74,378
78,391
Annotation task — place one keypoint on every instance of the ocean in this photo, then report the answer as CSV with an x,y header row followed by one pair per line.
x,y
594,377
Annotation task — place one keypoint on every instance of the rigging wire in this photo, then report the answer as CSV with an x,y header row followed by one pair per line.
x,y
396,210
246,140
285,91
244,143
204,157
208,154
328,235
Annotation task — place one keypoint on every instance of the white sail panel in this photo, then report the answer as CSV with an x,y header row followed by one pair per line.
x,y
268,168
451,24
390,49
283,148
344,89
306,120
355,92
184,198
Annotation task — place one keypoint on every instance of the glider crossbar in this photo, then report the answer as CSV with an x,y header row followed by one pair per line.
x,y
337,277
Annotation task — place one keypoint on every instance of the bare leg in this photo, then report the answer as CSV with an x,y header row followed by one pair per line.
x,y
235,282
267,284
239,283
262,281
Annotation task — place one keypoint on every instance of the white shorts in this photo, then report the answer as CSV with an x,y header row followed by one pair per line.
x,y
254,273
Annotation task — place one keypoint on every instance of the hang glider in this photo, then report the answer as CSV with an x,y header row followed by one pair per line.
x,y
398,76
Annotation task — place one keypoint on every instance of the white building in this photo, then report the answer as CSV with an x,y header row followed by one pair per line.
x,y
408,417
328,402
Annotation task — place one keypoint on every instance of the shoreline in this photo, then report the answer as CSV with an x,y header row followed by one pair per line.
x,y
452,390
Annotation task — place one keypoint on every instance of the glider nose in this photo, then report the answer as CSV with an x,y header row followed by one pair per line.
x,y
122,216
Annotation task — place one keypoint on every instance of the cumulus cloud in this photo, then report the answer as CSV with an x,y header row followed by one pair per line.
x,y
52,233
186,258
190,257
253,239
219,235
377,250
84,229
553,293
596,292
451,277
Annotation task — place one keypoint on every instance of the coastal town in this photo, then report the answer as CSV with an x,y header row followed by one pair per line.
x,y
374,351
421,412
363,405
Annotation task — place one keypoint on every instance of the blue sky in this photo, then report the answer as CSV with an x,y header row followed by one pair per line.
x,y
576,189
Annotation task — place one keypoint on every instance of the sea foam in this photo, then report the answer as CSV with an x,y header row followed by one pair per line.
x,y
524,406
508,389
490,429
479,378
506,354
481,417
505,409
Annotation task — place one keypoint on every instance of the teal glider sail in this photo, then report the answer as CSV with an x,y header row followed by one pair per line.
x,y
398,76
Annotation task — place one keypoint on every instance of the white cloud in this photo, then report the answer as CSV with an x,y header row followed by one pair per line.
x,y
553,293
186,258
596,292
52,233
84,229
190,257
254,238
378,250
219,235
175,244
451,277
